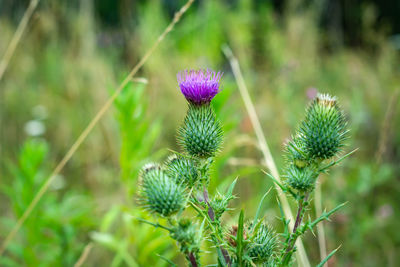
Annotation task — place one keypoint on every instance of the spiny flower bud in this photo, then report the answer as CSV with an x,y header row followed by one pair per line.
x,y
219,204
302,179
264,245
160,193
295,152
199,86
188,236
324,128
183,170
201,133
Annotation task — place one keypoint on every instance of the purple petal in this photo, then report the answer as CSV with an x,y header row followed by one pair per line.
x,y
199,86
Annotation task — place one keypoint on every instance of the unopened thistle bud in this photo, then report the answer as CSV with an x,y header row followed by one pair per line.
x,y
188,236
199,86
219,204
301,179
160,193
182,170
264,245
324,128
295,152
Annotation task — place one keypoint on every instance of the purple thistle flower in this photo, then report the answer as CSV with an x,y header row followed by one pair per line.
x,y
199,86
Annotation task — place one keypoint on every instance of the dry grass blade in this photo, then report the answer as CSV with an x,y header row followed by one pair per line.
x,y
269,161
320,226
387,125
90,127
84,255
17,36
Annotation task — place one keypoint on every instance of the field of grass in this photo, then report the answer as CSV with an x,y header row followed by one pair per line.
x,y
68,64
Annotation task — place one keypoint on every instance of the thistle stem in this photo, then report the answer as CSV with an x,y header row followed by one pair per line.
x,y
211,215
192,259
293,237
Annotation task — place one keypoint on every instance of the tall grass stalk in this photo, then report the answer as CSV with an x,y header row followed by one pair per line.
x,y
90,127
269,161
85,254
320,227
17,36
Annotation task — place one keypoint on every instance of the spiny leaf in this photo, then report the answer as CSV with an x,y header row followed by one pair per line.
x,y
321,264
239,239
324,216
259,208
337,161
231,187
167,260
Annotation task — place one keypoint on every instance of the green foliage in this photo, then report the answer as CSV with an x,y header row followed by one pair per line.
x,y
137,132
57,227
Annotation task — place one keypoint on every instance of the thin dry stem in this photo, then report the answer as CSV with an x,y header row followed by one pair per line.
x,y
269,161
386,127
90,127
320,226
17,37
84,255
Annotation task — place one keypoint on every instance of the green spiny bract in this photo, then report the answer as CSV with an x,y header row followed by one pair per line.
x,y
324,128
301,179
263,247
188,236
160,193
182,170
201,133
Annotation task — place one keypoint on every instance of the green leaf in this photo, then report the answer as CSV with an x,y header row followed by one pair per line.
x,y
321,264
324,216
167,260
259,208
283,188
337,161
231,187
239,239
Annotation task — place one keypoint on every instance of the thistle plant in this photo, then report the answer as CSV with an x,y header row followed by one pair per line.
x,y
168,191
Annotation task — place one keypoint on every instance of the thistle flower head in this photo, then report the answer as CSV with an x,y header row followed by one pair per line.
x,y
264,245
324,129
159,193
183,170
199,86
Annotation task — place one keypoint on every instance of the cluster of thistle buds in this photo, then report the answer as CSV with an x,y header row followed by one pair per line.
x,y
312,151
168,190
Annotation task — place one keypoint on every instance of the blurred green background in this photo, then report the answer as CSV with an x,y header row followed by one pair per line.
x,y
74,54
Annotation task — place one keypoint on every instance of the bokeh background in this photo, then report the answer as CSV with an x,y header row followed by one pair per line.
x,y
74,54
